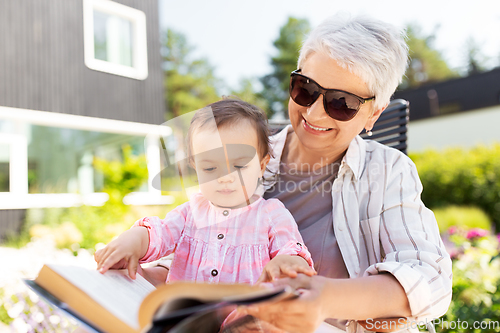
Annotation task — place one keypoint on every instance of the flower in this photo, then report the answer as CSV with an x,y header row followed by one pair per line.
x,y
452,230
476,233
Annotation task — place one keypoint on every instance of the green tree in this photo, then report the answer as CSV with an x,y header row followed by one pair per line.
x,y
427,64
275,85
476,61
190,84
248,94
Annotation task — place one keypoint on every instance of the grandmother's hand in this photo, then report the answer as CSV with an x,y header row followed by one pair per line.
x,y
303,314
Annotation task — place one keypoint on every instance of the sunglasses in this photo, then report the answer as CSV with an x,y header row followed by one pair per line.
x,y
339,105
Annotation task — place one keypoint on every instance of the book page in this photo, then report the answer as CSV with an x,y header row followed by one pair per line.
x,y
114,290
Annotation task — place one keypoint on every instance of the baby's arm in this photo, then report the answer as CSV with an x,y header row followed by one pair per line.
x,y
289,255
124,252
150,239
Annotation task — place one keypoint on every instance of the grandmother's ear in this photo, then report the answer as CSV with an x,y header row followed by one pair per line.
x,y
374,117
378,112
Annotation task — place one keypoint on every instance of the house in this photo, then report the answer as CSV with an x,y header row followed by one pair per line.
x,y
78,79
461,112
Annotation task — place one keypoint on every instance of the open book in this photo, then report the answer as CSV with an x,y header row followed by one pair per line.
x,y
112,302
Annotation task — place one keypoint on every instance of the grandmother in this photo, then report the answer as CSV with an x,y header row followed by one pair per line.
x,y
376,247
357,203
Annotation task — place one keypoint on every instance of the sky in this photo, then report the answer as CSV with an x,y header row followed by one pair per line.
x,y
236,36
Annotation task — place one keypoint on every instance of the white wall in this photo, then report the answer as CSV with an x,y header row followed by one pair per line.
x,y
466,129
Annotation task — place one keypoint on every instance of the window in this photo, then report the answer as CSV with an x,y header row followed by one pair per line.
x,y
47,158
60,160
115,39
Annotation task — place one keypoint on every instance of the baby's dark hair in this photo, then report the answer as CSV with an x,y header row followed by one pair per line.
x,y
229,111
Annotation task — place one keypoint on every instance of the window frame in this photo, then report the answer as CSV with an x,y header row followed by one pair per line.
x,y
18,162
19,198
139,70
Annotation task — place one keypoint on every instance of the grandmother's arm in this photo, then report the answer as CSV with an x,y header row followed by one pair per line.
x,y
413,280
379,296
415,259
156,275
414,252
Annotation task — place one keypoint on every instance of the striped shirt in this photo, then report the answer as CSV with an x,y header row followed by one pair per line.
x,y
214,244
381,224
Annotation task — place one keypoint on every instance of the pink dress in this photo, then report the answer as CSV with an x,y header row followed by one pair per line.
x,y
222,245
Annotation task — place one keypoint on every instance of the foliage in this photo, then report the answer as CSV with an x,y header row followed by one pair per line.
x,y
466,217
122,177
4,314
64,235
275,85
426,64
86,226
248,94
190,84
457,176
476,62
4,177
75,227
476,281
95,224
101,224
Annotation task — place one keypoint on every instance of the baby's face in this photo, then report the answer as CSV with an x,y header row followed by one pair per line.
x,y
227,163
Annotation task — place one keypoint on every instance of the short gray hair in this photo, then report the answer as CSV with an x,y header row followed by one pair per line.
x,y
371,49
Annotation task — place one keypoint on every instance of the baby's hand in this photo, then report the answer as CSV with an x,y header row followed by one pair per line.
x,y
123,252
287,266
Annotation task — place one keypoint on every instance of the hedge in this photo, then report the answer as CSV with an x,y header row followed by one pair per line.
x,y
457,176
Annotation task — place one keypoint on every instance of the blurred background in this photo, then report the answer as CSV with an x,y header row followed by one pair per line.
x,y
83,83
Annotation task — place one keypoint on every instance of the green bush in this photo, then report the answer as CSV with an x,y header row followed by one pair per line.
x,y
457,176
86,226
122,177
465,217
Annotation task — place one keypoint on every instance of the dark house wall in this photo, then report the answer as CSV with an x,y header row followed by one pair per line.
x,y
11,221
469,93
42,68
42,64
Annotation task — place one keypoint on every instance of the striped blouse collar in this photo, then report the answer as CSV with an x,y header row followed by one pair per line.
x,y
353,159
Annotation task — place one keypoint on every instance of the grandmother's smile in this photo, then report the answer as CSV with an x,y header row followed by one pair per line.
x,y
314,129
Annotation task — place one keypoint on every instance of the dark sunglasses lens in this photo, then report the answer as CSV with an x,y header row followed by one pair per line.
x,y
341,106
302,91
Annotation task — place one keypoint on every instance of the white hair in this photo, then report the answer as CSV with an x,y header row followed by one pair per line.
x,y
371,49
